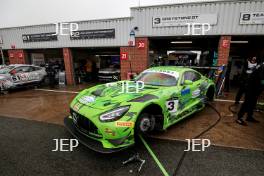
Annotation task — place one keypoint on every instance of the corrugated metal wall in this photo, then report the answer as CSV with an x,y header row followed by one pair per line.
x,y
227,23
122,26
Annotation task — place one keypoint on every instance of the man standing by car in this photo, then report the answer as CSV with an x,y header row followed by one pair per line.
x,y
51,74
250,65
88,69
253,90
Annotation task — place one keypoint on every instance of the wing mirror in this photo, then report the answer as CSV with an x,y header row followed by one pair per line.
x,y
188,82
12,72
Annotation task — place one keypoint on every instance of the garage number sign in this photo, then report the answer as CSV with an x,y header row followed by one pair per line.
x,y
252,18
141,44
42,37
124,56
184,19
93,34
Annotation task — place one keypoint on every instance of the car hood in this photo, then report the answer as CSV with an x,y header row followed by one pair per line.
x,y
109,70
4,76
111,95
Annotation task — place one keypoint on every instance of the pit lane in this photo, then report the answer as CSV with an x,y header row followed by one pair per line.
x,y
32,118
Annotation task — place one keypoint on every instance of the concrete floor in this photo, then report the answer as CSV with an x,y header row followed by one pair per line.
x,y
52,107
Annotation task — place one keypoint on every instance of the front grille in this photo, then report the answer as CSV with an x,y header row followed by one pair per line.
x,y
85,125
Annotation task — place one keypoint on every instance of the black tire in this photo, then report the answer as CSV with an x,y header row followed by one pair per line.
x,y
145,123
210,93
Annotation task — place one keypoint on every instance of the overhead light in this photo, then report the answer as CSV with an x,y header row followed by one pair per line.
x,y
238,41
181,42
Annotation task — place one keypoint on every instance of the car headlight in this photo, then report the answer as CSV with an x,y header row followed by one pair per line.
x,y
114,114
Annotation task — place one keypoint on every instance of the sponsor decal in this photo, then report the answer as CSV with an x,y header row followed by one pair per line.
x,y
5,84
109,131
76,107
86,99
28,76
196,93
185,91
168,72
172,105
124,124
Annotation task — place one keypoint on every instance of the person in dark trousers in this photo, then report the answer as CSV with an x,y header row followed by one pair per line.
x,y
249,66
51,74
252,92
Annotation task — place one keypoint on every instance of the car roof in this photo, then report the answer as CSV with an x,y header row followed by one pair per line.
x,y
171,68
18,65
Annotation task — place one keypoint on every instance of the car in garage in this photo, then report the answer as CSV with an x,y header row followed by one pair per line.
x,y
19,75
107,117
112,73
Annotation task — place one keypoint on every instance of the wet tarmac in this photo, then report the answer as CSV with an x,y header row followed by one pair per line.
x,y
26,150
52,105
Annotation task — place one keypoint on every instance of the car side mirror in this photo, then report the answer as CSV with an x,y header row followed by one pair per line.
x,y
12,72
188,82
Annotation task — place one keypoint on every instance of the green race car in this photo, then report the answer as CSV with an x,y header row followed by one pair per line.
x,y
106,117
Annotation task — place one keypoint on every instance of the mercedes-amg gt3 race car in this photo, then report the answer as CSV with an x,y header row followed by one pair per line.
x,y
106,117
17,75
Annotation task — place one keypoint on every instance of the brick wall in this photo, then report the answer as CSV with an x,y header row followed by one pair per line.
x,y
68,62
137,55
223,50
17,56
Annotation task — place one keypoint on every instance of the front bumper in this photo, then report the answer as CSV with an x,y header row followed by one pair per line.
x,y
86,141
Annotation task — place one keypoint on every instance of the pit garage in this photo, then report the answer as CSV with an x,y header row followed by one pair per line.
x,y
40,57
203,52
50,59
34,133
241,49
184,51
96,64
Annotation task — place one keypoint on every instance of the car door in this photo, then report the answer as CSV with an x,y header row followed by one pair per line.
x,y
20,75
190,93
187,90
196,93
35,74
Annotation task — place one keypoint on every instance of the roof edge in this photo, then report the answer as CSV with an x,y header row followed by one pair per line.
x,y
92,20
195,3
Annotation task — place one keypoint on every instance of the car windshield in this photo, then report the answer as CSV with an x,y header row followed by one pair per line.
x,y
6,70
157,78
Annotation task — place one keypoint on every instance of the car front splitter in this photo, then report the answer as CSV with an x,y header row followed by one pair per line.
x,y
86,141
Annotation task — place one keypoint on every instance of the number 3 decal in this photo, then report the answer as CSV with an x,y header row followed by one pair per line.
x,y
172,105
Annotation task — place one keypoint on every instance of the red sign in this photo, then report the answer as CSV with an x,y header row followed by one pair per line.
x,y
124,56
141,44
11,55
20,55
225,43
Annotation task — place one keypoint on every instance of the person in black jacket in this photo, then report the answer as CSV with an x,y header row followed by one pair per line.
x,y
249,66
51,74
253,90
